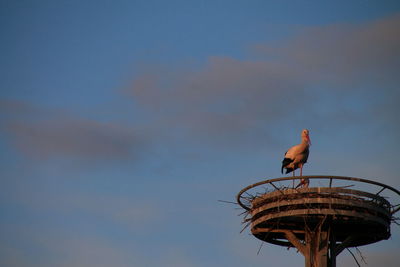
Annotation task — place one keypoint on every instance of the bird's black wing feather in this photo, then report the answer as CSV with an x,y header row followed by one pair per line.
x,y
306,153
285,162
289,170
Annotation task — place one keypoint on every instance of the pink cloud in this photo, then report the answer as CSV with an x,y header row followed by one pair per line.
x,y
224,101
228,99
344,51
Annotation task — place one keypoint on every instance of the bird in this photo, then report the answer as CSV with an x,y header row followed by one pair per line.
x,y
297,156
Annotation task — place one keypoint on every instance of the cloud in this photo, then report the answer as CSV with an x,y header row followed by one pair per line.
x,y
335,74
43,133
344,52
356,66
224,102
72,137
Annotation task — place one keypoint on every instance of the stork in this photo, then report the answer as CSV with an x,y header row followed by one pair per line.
x,y
297,156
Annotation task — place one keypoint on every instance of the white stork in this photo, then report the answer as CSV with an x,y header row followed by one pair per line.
x,y
297,156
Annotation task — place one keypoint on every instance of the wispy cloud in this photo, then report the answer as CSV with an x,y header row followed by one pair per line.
x,y
227,101
44,133
73,138
336,73
344,52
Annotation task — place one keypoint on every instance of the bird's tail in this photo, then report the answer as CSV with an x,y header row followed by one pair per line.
x,y
289,170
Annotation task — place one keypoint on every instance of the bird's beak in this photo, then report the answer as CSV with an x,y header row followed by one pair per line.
x,y
308,140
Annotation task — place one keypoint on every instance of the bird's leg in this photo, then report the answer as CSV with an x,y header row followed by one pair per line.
x,y
299,183
301,174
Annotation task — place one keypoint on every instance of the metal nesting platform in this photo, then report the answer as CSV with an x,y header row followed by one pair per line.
x,y
319,221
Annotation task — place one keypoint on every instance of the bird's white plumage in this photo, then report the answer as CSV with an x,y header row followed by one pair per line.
x,y
297,155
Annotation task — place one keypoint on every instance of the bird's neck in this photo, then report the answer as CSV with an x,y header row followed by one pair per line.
x,y
304,141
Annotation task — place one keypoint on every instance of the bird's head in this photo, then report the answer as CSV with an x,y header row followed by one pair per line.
x,y
305,135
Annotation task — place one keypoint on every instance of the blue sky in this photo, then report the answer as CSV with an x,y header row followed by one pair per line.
x,y
122,123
